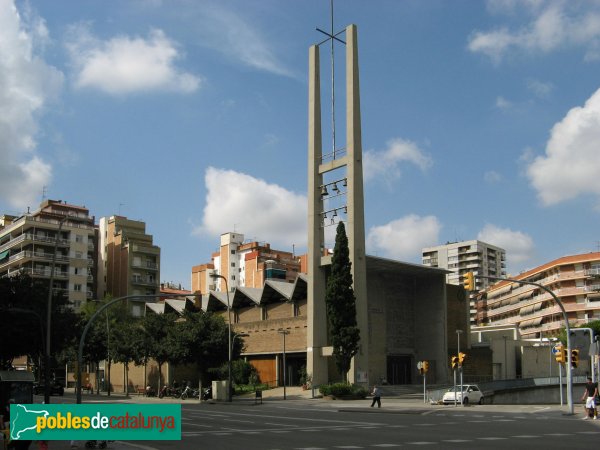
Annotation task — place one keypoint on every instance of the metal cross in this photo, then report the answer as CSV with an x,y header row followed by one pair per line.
x,y
331,37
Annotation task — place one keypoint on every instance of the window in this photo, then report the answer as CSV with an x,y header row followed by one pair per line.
x,y
233,277
296,309
233,252
79,238
233,264
78,255
76,270
77,287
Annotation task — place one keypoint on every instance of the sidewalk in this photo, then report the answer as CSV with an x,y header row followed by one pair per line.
x,y
397,405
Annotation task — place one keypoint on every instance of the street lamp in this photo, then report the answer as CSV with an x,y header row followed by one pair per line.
x,y
458,333
505,358
91,321
283,333
49,312
213,276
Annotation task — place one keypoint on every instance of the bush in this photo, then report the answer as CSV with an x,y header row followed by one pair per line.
x,y
340,390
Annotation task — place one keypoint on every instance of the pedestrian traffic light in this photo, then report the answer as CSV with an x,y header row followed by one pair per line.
x,y
469,281
461,358
560,356
454,361
574,358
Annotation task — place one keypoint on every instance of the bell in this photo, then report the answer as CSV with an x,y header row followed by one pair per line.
x,y
324,191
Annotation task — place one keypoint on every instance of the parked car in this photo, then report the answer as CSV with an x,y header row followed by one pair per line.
x,y
471,394
56,388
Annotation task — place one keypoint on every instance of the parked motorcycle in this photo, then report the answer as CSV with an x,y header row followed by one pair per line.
x,y
207,393
188,392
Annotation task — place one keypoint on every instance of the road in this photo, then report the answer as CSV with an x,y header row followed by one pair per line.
x,y
307,424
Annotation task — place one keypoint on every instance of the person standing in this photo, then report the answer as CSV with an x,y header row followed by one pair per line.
x,y
589,396
376,393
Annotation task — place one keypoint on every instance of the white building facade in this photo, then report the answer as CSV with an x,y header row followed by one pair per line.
x,y
474,256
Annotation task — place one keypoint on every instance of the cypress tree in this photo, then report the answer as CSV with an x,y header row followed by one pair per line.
x,y
341,304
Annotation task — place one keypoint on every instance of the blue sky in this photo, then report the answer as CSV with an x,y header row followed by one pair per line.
x,y
481,120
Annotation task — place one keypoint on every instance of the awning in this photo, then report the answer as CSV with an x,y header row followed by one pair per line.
x,y
4,255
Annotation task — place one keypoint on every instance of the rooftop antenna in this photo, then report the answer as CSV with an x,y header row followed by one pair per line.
x,y
331,38
43,193
120,204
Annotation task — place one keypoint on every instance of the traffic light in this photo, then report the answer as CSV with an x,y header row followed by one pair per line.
x,y
461,358
560,356
469,281
425,366
454,361
574,358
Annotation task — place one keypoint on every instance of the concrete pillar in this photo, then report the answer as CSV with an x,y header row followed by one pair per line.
x,y
356,210
316,312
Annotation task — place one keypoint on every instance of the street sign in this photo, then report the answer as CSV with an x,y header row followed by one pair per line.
x,y
420,365
556,349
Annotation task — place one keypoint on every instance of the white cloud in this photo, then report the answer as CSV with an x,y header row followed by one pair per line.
x,y
404,238
126,64
553,25
27,83
227,32
502,103
254,207
386,164
491,177
571,164
519,246
539,88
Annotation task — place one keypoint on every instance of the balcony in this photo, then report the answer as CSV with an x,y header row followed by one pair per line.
x,y
148,265
46,272
592,273
144,281
29,237
144,249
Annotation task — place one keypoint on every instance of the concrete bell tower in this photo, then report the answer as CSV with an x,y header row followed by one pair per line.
x,y
323,212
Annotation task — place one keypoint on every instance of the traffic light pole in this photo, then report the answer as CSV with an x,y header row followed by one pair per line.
x,y
568,368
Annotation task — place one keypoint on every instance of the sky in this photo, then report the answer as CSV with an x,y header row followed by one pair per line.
x,y
480,120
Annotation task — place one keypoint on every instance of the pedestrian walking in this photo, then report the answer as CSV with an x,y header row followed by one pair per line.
x,y
589,396
376,393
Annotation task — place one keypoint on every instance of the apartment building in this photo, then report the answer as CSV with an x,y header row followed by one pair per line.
x,y
574,279
28,242
244,264
467,256
128,261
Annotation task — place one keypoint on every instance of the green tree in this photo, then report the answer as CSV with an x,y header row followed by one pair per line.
x,y
594,325
23,308
161,339
202,340
127,345
341,305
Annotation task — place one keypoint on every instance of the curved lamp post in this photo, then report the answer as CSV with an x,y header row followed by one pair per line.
x,y
98,311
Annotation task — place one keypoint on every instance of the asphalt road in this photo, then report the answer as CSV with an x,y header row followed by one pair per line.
x,y
311,424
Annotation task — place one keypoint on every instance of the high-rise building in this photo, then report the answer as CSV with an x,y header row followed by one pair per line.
x,y
128,261
468,256
28,243
574,279
244,264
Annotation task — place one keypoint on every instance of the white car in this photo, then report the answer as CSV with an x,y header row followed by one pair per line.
x,y
470,393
